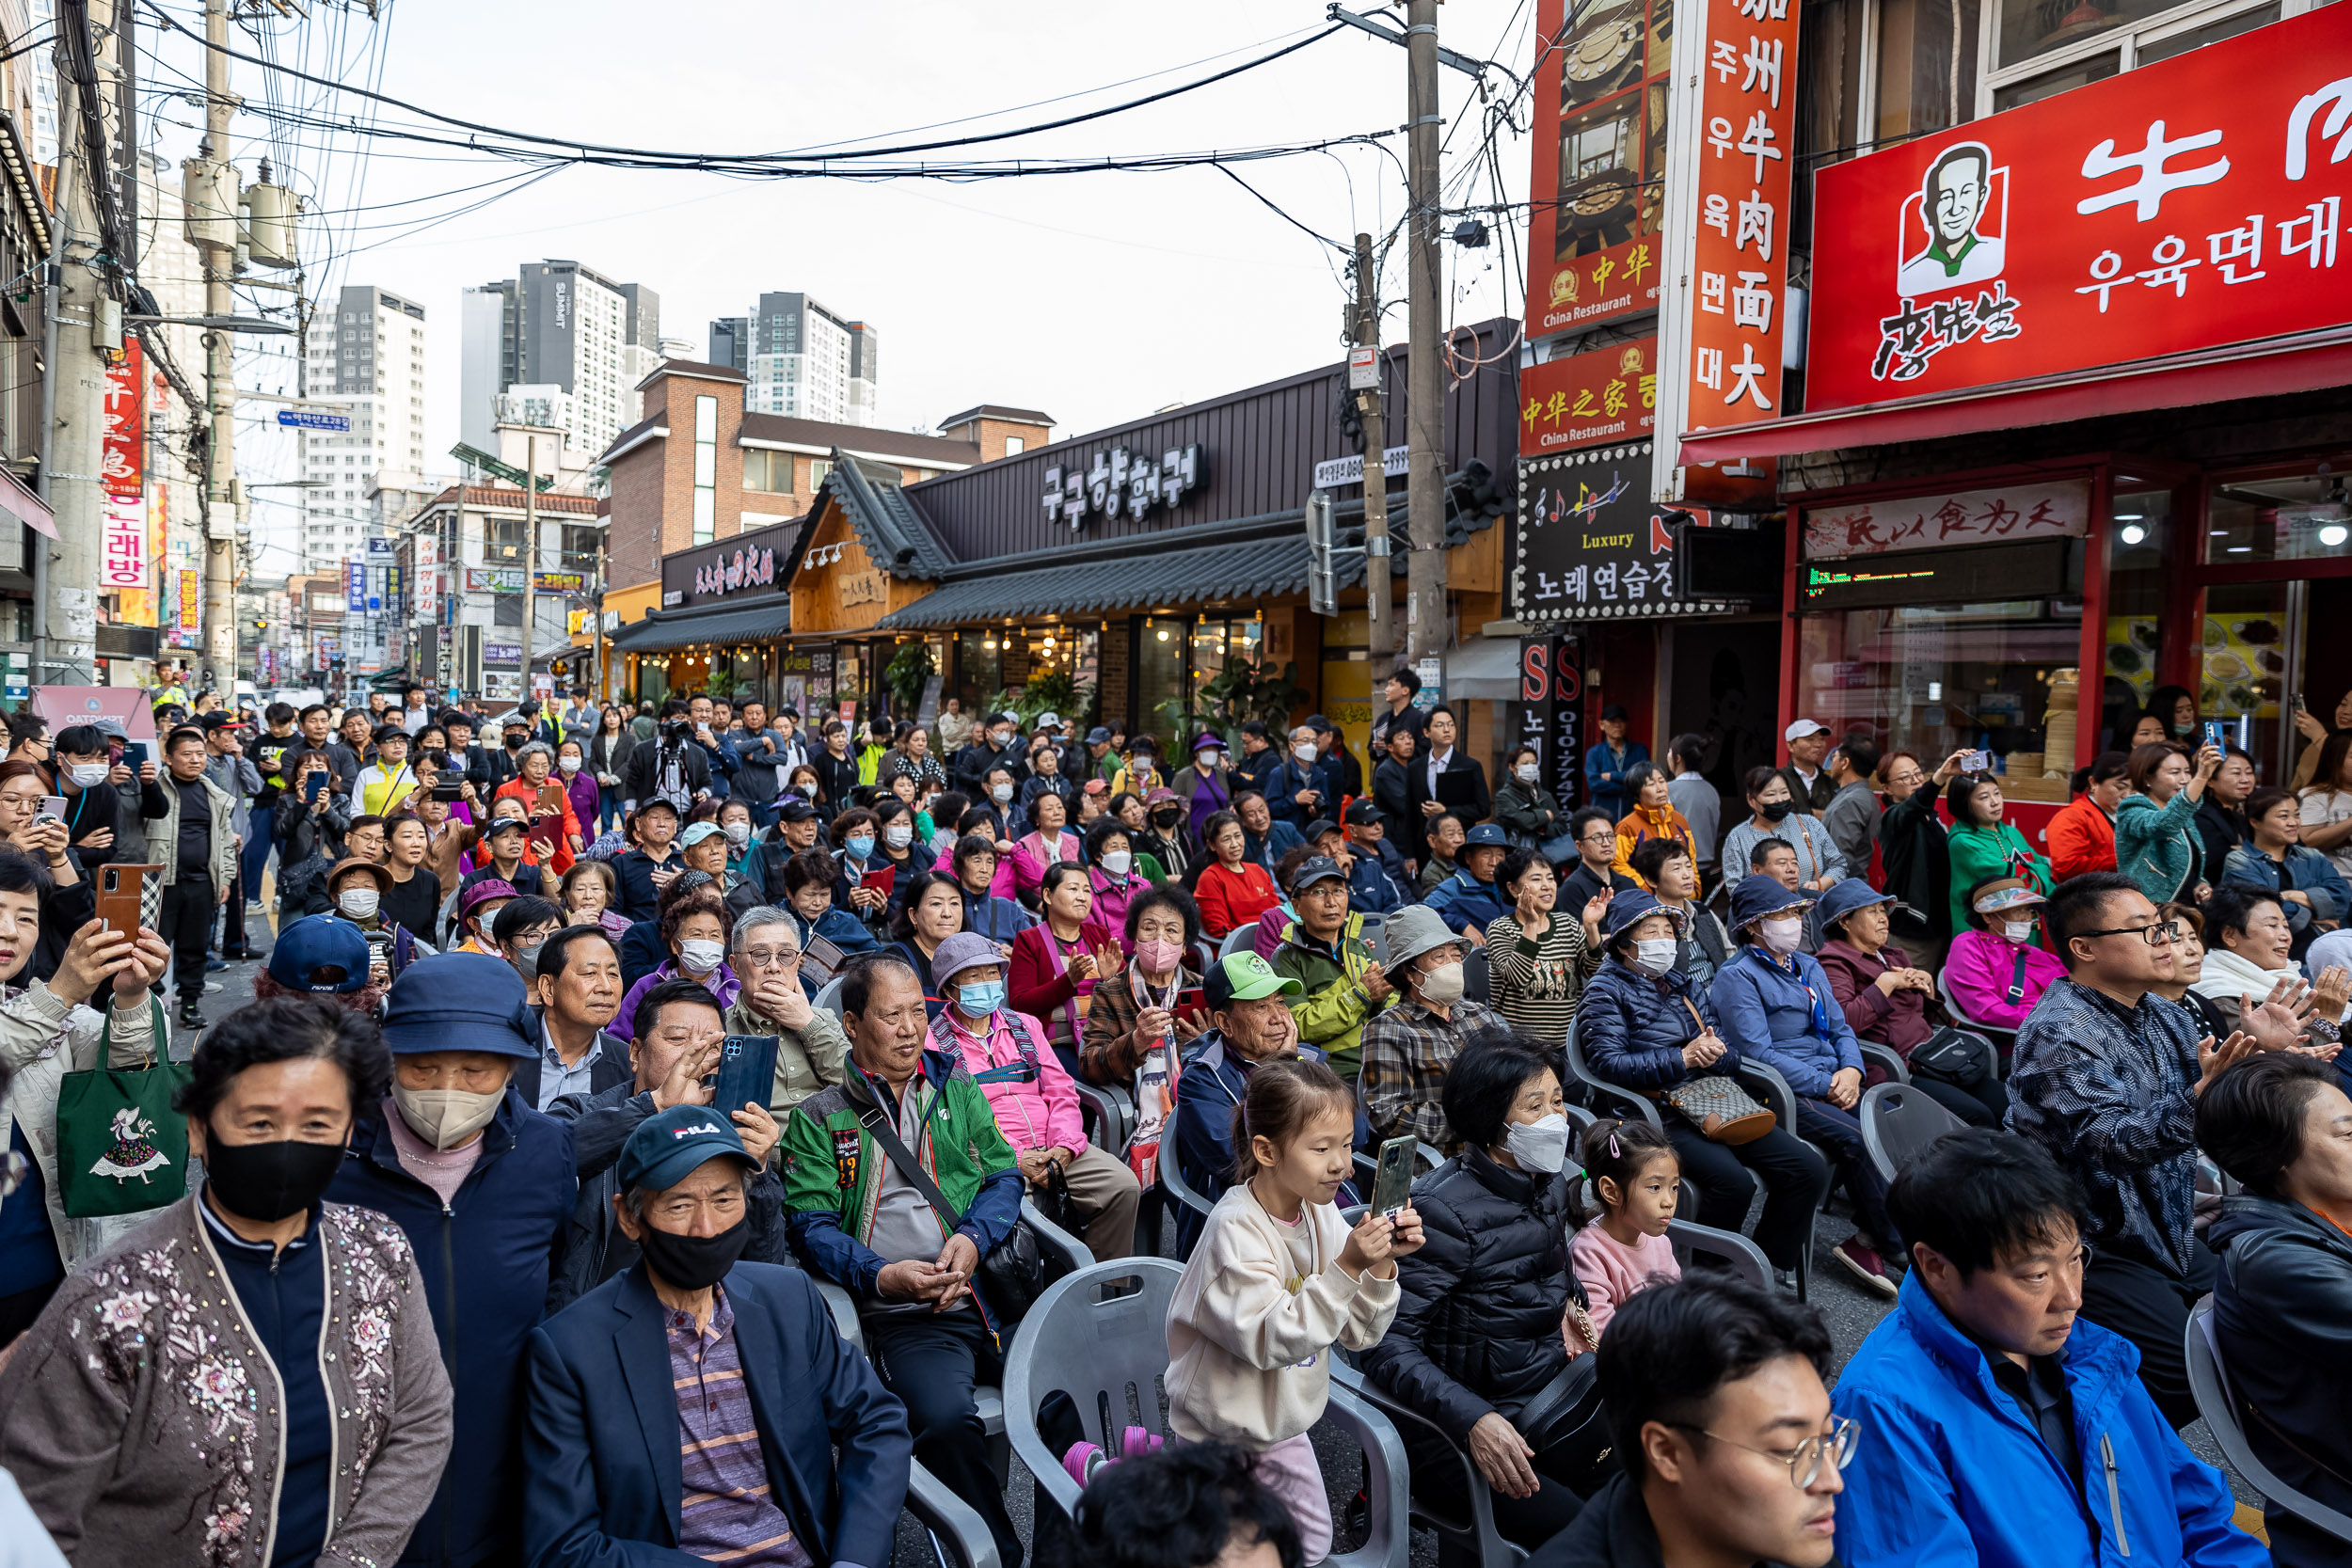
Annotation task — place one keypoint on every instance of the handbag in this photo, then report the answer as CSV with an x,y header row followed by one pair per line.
x,y
1565,1423
1014,1273
1717,1105
121,1150
1953,1057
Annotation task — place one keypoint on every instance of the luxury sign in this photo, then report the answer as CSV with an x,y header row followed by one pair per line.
x,y
1121,481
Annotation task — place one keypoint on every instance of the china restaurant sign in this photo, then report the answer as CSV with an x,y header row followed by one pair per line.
x,y
2197,202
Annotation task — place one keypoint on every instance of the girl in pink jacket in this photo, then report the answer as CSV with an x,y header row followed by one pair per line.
x,y
1637,1181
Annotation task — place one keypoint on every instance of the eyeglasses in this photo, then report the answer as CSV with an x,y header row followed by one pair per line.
x,y
2162,935
1806,1461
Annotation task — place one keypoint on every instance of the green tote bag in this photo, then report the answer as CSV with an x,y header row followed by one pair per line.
x,y
121,1149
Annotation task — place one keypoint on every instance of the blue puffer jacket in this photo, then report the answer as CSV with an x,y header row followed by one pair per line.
x,y
486,1260
1462,900
2308,871
1951,1472
1632,1028
1790,1022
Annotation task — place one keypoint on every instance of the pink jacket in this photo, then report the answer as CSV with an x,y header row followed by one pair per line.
x,y
1028,862
1979,969
1041,1113
1609,1273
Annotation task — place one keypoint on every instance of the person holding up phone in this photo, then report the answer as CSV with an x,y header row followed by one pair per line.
x,y
190,833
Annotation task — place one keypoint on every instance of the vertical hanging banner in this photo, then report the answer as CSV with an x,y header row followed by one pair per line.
x,y
1721,321
1599,154
355,587
123,560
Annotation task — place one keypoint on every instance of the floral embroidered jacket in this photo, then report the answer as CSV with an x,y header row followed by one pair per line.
x,y
141,1417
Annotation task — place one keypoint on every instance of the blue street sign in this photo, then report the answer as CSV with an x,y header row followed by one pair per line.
x,y
303,419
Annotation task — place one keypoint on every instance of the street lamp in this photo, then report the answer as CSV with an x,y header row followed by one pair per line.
x,y
257,324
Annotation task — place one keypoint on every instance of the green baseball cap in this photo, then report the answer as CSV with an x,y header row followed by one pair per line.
x,y
1245,977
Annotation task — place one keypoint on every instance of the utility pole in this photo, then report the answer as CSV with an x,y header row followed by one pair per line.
x,y
1425,400
220,384
530,558
1381,636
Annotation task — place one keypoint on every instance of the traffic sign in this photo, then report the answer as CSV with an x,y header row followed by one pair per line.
x,y
490,465
303,419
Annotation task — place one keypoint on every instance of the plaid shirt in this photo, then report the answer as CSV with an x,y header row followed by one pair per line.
x,y
2106,1090
725,1511
1407,1050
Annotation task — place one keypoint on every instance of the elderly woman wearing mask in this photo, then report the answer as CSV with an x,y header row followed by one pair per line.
x,y
694,930
1885,999
810,1047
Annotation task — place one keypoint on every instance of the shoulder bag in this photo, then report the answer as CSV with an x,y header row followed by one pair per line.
x,y
121,1150
1716,1105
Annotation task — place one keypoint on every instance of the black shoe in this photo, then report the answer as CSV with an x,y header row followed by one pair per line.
x,y
191,1016
239,955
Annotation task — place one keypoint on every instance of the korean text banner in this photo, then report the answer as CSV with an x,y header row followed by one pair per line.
x,y
1598,164
2192,203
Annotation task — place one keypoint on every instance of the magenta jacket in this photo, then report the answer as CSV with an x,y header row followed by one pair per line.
x,y
1028,862
1979,968
1041,1113
587,802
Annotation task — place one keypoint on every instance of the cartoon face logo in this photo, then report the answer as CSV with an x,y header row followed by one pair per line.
x,y
1963,212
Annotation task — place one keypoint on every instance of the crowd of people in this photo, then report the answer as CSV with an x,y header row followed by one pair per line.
x,y
478,1272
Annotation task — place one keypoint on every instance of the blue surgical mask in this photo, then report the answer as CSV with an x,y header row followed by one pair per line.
x,y
860,845
980,998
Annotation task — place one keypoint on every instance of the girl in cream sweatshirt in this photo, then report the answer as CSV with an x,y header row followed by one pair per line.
x,y
1277,1279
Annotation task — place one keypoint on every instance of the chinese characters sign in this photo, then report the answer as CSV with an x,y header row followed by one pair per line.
x,y
122,558
2160,212
1971,517
1610,394
1600,162
355,587
1745,118
734,572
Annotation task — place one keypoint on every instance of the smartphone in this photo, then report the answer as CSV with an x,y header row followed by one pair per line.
x,y
1189,1003
746,1074
311,787
52,806
134,754
118,895
1977,762
881,881
1393,1184
2216,735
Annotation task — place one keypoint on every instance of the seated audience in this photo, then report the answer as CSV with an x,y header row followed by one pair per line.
x,y
1135,1027
1476,1341
1268,839
1977,1396
1595,835
1037,1110
590,893
1057,963
930,910
2188,967
1645,1028
1672,876
1776,858
1773,1002
764,950
1232,890
1377,879
1049,843
1653,816
653,862
999,919
1341,981
1441,843
1537,961
1885,1001
1996,971
1623,1250
788,1448
2106,1077
856,1219
2248,961
2313,893
1469,901
2279,1124
576,986
810,879
1716,1397
694,930
2082,834
1110,860
1408,1046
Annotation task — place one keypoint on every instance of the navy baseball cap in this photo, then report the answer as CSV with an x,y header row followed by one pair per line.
x,y
461,1002
670,1145
798,811
1488,834
320,953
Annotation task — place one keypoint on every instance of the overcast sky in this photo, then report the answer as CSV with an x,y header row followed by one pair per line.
x,y
1095,297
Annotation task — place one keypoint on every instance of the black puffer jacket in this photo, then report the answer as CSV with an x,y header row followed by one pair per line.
x,y
1478,1319
2283,1315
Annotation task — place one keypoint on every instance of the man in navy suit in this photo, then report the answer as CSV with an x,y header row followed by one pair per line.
x,y
691,1404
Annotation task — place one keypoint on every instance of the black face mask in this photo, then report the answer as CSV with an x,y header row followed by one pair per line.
x,y
514,742
267,1183
1168,818
694,1262
1776,810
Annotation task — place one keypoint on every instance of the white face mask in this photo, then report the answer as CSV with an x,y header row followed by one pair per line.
x,y
570,765
87,774
2018,931
1304,751
1538,1144
1212,760
1529,772
899,835
446,1116
357,903
1442,987
700,955
1000,793
1655,955
1780,935
1117,862
738,833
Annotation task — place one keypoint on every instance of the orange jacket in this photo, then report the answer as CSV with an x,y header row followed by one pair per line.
x,y
1641,823
2081,838
566,830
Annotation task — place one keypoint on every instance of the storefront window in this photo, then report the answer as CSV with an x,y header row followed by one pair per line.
x,y
979,665
1939,678
1162,691
2141,547
2252,649
2293,517
1215,641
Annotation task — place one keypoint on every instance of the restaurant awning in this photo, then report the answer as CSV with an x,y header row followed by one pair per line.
x,y
2266,368
1257,569
712,626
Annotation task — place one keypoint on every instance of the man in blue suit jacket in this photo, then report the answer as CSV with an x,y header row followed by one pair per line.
x,y
641,1390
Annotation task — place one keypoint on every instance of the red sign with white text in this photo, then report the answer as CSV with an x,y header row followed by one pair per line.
x,y
1610,394
1598,169
2198,201
123,538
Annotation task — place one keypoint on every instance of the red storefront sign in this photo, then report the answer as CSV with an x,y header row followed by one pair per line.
x,y
1599,163
1610,394
122,561
2197,202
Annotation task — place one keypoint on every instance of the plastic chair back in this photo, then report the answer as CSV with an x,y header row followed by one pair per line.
x,y
1606,1098
2209,1382
829,998
1101,1337
1241,938
1898,1121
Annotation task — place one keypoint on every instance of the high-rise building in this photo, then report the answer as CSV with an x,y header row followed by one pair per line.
x,y
801,359
563,326
368,358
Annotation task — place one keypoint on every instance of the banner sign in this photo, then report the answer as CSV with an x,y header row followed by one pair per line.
x,y
509,579
1610,394
191,599
123,554
2060,510
1589,544
2160,212
1600,162
355,587
1332,472
305,419
1552,709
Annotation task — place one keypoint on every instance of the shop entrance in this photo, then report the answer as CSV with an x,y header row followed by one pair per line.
x,y
2261,657
1722,686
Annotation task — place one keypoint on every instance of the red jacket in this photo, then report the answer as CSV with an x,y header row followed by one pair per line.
x,y
1038,985
1230,898
2081,838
